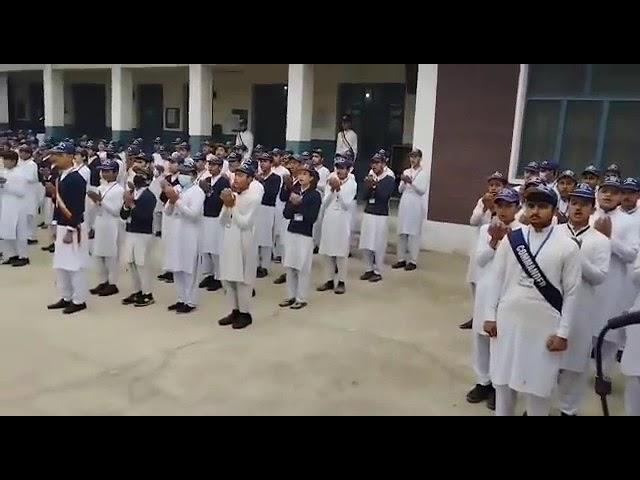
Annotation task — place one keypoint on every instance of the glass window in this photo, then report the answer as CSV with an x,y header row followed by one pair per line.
x,y
622,145
539,133
556,80
580,136
616,80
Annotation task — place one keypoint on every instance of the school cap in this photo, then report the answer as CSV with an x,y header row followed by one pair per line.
x,y
611,181
198,157
631,185
295,158
377,157
542,193
64,147
341,162
143,156
277,152
416,153
109,165
584,191
259,149
318,151
188,167
497,176
532,167
233,157
508,195
25,148
247,169
549,165
91,145
305,156
241,148
157,141
175,158
533,182
177,141
215,160
592,170
133,150
265,157
345,117
185,145
568,174
310,168
613,168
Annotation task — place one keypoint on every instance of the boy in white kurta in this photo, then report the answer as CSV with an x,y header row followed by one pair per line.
x,y
566,183
630,363
239,253
317,158
629,205
28,167
411,212
339,195
506,204
185,209
347,139
277,156
14,205
611,297
272,183
107,228
529,331
595,254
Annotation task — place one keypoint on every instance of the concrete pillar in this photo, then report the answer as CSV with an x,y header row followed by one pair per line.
x,y
299,106
200,104
53,82
121,103
4,101
424,122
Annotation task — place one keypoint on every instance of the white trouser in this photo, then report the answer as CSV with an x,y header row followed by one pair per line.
x,y
317,233
16,248
373,261
481,358
187,285
157,221
298,282
609,351
334,263
264,257
632,397
506,403
240,295
141,276
90,215
209,265
108,269
572,387
32,226
408,248
72,285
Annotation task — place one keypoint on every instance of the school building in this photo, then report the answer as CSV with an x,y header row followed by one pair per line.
x,y
468,119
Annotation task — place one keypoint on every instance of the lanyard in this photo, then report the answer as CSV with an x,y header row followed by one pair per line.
x,y
580,232
542,244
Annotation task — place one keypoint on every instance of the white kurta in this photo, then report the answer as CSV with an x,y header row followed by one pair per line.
x,y
480,216
108,225
525,320
412,209
611,297
347,140
630,364
336,219
29,169
374,232
279,214
14,204
298,251
245,138
595,254
182,247
239,259
634,290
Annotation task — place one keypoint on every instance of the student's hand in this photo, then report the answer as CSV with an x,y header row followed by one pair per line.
x,y
228,198
369,181
334,183
288,181
163,184
92,234
603,225
68,237
159,169
295,199
406,179
3,180
94,196
487,201
129,202
491,328
205,185
556,344
259,177
45,172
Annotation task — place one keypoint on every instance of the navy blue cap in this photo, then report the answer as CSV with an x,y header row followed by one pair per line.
x,y
295,157
631,185
265,157
591,169
416,152
259,148
311,169
377,157
497,176
241,148
346,117
198,157
234,157
611,181
64,147
568,174
318,151
143,156
133,150
247,169
277,151
382,152
109,165
187,167
584,190
532,167
185,145
157,140
215,160
91,144
549,165
542,193
533,182
508,195
341,162
305,156
613,168
177,141
162,149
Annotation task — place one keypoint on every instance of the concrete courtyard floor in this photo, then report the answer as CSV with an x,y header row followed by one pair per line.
x,y
391,348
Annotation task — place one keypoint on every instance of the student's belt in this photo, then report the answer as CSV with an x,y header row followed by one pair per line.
x,y
528,263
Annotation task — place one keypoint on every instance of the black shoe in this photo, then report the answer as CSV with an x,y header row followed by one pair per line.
x,y
215,286
108,291
159,234
410,267
400,264
376,277
21,262
59,305
73,308
48,247
326,286
316,250
491,401
253,293
98,289
145,300
618,354
229,319
206,281
340,289
42,225
287,302
131,299
367,275
32,242
281,279
185,308
262,272
175,306
298,305
480,393
242,321
52,248
277,260
10,261
466,325
165,276
562,414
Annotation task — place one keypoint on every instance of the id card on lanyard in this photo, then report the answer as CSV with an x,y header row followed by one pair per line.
x,y
526,280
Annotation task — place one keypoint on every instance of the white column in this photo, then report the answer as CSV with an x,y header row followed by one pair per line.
x,y
424,121
121,103
4,99
53,82
299,106
200,104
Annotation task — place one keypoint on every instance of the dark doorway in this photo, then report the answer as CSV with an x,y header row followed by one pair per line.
x,y
378,118
36,103
89,109
150,104
269,116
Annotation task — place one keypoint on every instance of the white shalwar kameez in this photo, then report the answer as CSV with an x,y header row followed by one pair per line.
x,y
479,217
630,363
14,205
411,214
278,231
109,231
29,169
323,174
520,360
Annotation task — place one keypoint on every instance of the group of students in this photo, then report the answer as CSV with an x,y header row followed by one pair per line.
x,y
555,259
223,218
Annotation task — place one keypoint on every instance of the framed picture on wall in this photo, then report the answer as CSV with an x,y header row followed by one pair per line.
x,y
172,118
